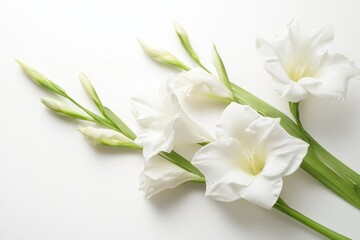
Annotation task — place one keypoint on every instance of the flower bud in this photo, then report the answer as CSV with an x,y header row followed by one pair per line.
x,y
90,90
40,79
107,137
62,108
185,41
162,56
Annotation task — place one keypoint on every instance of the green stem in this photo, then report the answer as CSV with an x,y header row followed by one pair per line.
x,y
294,109
96,117
284,208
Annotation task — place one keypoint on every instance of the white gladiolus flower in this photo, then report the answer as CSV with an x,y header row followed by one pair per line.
x,y
107,137
159,174
197,84
250,157
301,66
164,122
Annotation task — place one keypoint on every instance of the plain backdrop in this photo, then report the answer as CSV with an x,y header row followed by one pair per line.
x,y
55,185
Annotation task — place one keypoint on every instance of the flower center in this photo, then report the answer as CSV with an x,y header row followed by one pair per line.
x,y
299,69
255,164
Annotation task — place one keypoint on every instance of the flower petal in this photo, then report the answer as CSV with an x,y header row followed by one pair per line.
x,y
153,109
164,122
274,65
332,77
282,153
234,120
226,175
156,140
263,191
197,84
159,174
271,59
187,131
294,60
309,41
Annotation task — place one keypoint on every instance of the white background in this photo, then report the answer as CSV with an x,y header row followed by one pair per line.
x,y
54,185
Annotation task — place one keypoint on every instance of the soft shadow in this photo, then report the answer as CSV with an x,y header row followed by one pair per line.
x,y
167,199
203,106
104,150
65,119
325,115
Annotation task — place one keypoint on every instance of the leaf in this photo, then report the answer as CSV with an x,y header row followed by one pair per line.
x,y
181,162
119,123
220,68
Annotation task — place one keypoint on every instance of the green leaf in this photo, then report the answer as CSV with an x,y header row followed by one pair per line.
x,y
119,123
335,163
220,68
181,162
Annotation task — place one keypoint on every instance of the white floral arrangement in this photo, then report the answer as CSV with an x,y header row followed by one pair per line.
x,y
253,145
